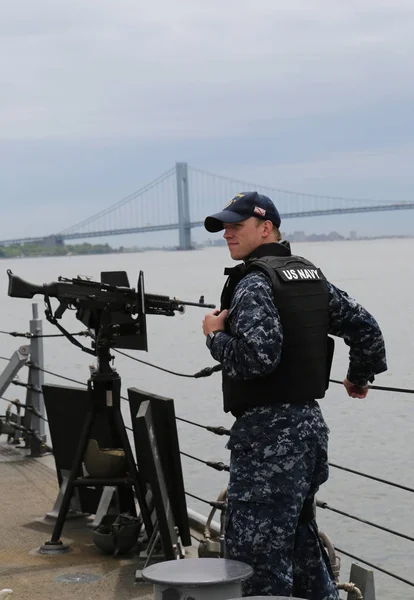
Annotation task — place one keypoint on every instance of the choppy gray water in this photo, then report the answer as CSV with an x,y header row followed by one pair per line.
x,y
373,435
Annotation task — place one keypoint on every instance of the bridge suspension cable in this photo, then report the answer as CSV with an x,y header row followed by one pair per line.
x,y
121,203
209,192
248,186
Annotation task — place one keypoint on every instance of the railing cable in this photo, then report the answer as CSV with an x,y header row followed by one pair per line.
x,y
397,485
26,407
152,365
32,433
28,386
206,372
217,504
218,466
381,388
321,504
197,498
216,430
34,336
365,562
33,366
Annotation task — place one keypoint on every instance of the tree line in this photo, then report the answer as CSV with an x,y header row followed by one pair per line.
x,y
24,250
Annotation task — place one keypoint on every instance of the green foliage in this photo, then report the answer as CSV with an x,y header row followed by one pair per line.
x,y
24,250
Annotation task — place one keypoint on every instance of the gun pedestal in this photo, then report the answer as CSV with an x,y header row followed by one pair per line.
x,y
104,387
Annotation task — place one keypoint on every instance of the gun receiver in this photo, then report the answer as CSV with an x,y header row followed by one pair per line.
x,y
74,291
102,306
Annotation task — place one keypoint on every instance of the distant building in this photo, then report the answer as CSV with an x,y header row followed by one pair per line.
x,y
298,236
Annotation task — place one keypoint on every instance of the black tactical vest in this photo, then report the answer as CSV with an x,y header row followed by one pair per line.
x,y
301,297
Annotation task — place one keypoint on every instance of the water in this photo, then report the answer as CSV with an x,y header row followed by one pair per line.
x,y
372,435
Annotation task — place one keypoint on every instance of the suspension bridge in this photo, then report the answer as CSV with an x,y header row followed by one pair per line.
x,y
181,198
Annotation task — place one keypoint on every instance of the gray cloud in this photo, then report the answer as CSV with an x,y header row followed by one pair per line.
x,y
194,68
99,96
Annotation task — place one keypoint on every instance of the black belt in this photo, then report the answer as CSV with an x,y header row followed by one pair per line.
x,y
308,512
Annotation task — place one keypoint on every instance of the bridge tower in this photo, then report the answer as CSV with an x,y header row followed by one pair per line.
x,y
183,199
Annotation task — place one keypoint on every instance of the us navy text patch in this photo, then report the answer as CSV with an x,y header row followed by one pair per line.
x,y
301,274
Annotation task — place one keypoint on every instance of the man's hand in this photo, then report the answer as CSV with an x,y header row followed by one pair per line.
x,y
354,390
214,321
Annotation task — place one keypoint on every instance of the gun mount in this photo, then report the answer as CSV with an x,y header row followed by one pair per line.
x,y
114,312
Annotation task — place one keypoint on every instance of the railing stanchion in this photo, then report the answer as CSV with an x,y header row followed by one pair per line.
x,y
34,396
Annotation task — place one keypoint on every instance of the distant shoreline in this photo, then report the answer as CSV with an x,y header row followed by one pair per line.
x,y
8,252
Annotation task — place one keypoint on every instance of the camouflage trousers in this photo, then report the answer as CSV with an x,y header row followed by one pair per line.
x,y
278,461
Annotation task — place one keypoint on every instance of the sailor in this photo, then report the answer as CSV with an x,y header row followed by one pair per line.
x,y
271,336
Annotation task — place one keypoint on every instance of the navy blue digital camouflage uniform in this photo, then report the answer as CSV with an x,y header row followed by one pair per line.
x,y
279,452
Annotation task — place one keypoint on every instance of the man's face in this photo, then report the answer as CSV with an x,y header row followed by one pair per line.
x,y
244,237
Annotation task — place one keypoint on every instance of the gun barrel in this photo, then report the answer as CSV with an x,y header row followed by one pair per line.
x,y
156,303
200,304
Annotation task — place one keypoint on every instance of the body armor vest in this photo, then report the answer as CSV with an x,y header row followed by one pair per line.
x,y
301,297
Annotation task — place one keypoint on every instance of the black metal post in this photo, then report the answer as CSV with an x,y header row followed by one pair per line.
x,y
74,473
104,387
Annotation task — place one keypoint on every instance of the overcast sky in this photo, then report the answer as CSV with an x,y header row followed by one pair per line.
x,y
99,97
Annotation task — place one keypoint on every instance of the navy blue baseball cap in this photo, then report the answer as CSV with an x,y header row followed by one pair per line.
x,y
240,208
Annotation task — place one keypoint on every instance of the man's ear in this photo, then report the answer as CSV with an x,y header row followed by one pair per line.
x,y
267,229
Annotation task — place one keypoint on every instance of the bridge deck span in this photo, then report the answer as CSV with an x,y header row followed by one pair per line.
x,y
170,226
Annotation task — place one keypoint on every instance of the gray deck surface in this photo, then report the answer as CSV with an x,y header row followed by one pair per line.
x,y
28,490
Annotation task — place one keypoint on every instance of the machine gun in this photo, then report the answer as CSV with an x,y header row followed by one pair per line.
x,y
110,308
115,315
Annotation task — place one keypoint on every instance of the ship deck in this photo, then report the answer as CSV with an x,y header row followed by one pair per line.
x,y
28,491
